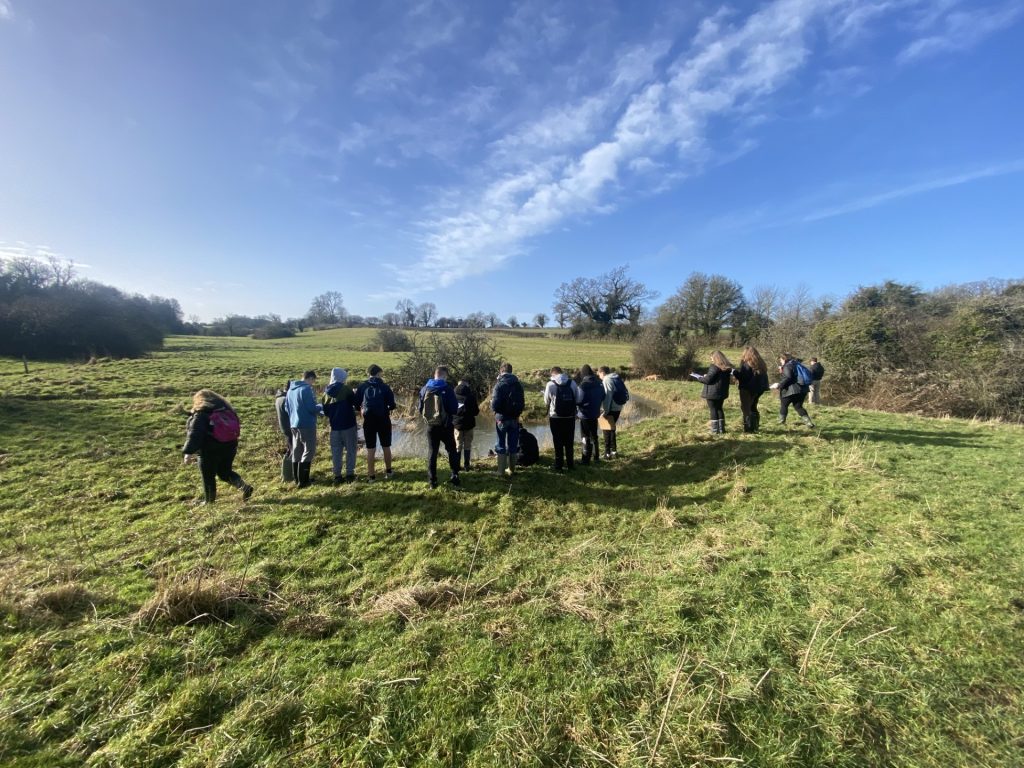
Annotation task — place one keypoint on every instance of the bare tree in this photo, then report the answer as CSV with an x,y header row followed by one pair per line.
x,y
540,319
406,311
426,314
604,299
327,309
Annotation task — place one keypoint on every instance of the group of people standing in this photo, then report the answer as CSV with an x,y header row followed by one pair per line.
x,y
751,377
450,412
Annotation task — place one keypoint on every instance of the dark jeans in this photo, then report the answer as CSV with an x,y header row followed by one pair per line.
x,y
588,431
216,460
797,401
508,436
610,445
563,433
437,436
715,410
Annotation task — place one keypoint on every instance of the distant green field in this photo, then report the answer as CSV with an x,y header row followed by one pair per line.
x,y
847,596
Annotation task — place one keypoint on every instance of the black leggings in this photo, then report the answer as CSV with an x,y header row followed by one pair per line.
x,y
715,410
797,401
610,444
216,460
588,431
563,432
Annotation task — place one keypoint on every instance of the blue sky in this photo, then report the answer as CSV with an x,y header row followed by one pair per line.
x,y
247,156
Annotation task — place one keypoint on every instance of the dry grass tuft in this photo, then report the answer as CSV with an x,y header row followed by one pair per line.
x,y
663,515
589,599
411,603
67,601
854,456
205,595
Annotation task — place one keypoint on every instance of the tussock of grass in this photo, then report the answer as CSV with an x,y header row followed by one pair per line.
x,y
204,595
413,602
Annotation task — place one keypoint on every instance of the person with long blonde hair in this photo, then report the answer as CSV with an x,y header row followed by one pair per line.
x,y
212,434
752,380
716,390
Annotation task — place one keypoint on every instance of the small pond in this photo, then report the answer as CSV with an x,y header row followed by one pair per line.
x,y
409,435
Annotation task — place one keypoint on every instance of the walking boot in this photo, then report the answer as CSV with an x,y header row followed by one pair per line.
x,y
209,495
755,421
465,460
807,420
502,464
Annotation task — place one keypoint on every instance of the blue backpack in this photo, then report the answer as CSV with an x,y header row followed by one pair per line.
x,y
803,374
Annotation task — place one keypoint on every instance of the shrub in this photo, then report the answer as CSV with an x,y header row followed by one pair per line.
x,y
274,331
655,353
470,355
391,340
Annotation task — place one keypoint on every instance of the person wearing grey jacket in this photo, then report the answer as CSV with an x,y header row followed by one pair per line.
x,y
610,410
562,398
284,422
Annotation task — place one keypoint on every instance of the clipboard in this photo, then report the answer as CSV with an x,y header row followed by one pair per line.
x,y
604,424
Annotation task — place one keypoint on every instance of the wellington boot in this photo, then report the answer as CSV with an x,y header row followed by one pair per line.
x,y
465,460
295,472
512,459
287,470
303,475
755,422
713,426
502,464
721,426
807,420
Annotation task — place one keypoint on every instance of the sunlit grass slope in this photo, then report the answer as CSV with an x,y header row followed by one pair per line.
x,y
847,596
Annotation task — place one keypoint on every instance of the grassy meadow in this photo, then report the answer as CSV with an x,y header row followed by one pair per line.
x,y
851,595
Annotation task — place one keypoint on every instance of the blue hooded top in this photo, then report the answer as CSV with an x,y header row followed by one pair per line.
x,y
301,405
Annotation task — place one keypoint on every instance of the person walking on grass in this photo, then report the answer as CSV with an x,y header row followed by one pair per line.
x,y
280,397
562,398
303,409
465,420
716,390
438,406
752,378
376,401
791,391
212,434
615,397
339,403
507,404
591,399
817,374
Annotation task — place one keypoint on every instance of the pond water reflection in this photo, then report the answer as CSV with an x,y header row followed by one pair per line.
x,y
409,436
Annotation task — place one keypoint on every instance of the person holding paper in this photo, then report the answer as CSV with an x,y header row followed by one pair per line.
x,y
716,390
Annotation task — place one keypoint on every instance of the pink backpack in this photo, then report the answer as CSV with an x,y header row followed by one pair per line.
x,y
224,425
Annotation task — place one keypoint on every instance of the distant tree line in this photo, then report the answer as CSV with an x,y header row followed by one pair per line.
x,y
46,312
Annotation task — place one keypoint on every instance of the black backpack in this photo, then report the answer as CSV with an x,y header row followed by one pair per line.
x,y
620,395
514,400
565,400
529,451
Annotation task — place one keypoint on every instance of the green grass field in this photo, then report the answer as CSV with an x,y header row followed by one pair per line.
x,y
847,596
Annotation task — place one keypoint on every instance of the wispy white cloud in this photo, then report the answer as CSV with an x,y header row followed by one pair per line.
x,y
6,11
40,253
831,202
910,190
960,30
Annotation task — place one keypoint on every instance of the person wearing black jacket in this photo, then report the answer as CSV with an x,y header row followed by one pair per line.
x,y
752,378
212,433
465,420
817,373
592,394
791,391
716,390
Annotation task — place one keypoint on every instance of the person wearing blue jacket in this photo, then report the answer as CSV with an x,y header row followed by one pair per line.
x,y
591,399
303,409
339,407
438,406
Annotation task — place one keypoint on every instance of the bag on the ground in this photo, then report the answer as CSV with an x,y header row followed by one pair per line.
x,y
620,395
803,375
529,451
373,401
565,401
224,426
433,410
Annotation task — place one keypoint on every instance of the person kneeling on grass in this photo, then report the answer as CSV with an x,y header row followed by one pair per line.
x,y
437,406
212,433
